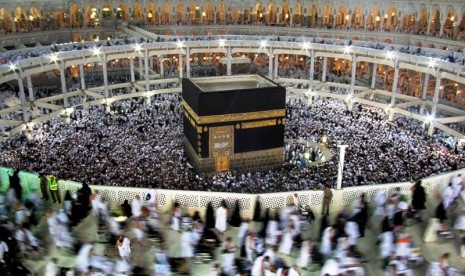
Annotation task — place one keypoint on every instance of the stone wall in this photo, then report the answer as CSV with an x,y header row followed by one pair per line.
x,y
257,160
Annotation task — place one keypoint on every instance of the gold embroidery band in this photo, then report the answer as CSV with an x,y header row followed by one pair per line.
x,y
233,117
264,123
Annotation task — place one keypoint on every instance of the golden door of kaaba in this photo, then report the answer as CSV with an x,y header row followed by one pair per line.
x,y
221,146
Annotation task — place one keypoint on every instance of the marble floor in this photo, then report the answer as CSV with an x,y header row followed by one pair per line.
x,y
87,229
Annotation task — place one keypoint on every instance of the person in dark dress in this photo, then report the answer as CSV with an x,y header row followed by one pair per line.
x,y
126,208
418,199
210,217
361,218
236,220
44,186
257,216
15,184
266,219
441,213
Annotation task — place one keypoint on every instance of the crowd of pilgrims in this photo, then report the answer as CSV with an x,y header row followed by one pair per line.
x,y
274,242
139,143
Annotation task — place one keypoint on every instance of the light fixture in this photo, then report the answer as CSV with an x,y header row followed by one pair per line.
x,y
431,63
13,67
180,43
305,46
390,55
347,17
385,16
53,58
137,47
221,42
377,18
263,43
393,13
31,17
149,15
96,51
452,18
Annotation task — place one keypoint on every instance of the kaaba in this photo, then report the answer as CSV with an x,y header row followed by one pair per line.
x,y
233,123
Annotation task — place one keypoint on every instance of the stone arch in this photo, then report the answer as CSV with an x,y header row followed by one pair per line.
x,y
390,18
75,15
435,24
358,18
122,12
271,14
137,12
235,16
285,15
60,19
313,16
91,16
342,16
298,15
461,27
152,14
328,17
195,13
5,21
408,22
247,14
374,18
180,11
165,13
208,12
423,21
107,12
221,13
259,12
448,27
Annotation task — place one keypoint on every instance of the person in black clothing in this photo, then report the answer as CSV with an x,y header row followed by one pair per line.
x,y
361,217
418,199
15,184
441,213
44,186
257,215
126,208
236,220
210,217
401,215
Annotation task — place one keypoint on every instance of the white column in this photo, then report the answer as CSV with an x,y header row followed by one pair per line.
x,y
325,64
394,84
424,93
229,60
181,69
352,75
131,69
63,84
270,64
22,97
435,103
276,65
312,69
162,73
141,73
188,63
436,94
340,169
30,88
373,76
81,76
105,76
151,63
146,64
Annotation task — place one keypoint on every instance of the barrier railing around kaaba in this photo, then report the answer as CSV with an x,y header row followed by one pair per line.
x,y
197,200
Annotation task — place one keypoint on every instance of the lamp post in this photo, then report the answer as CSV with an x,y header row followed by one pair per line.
x,y
340,168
